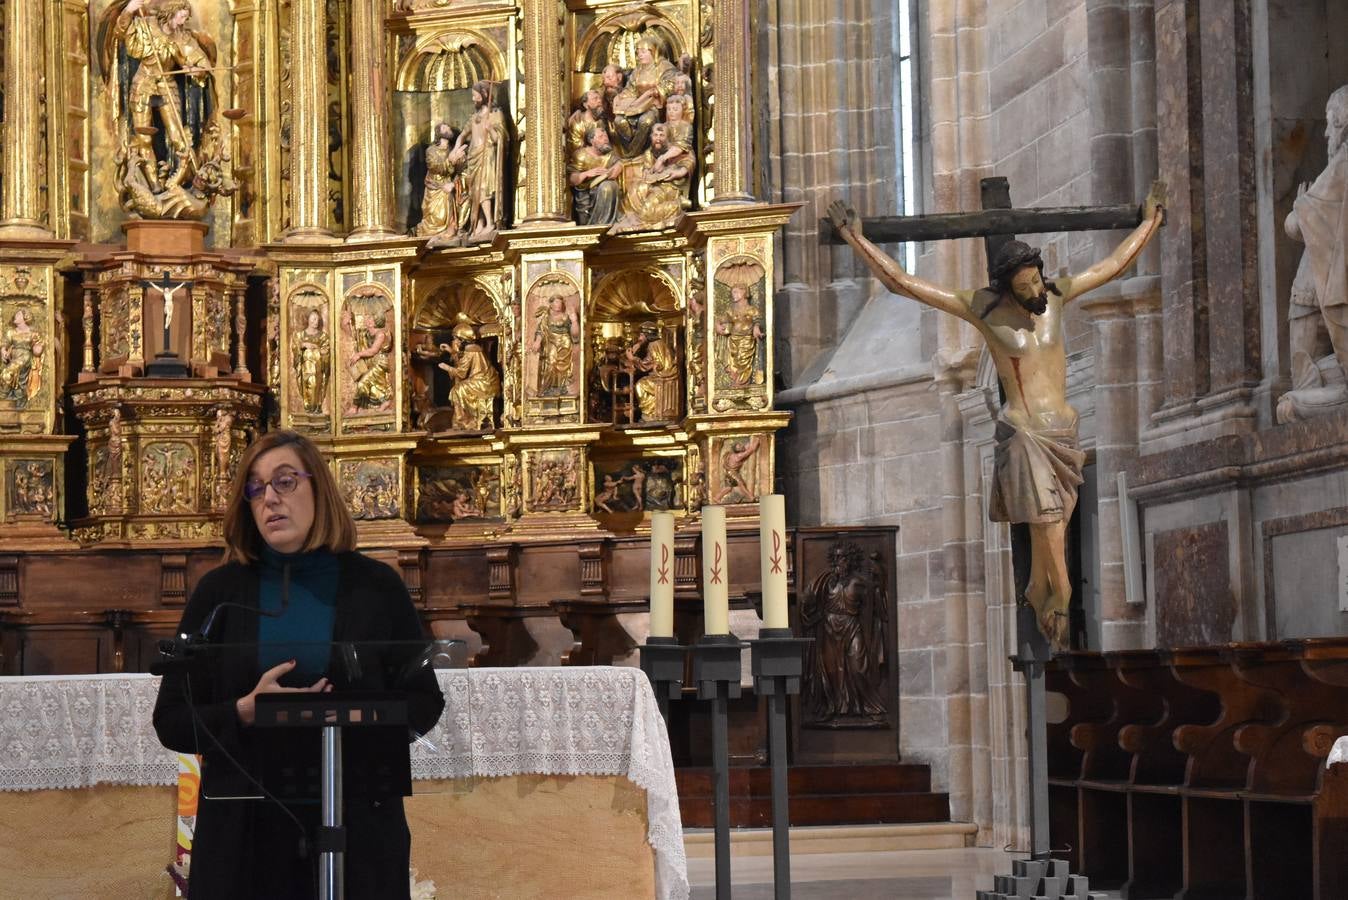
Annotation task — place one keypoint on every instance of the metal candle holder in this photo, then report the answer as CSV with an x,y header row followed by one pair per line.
x,y
777,660
662,659
716,672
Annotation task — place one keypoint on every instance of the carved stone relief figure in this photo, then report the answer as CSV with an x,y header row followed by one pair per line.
x,y
739,470
476,382
477,162
172,158
116,444
21,360
554,342
1318,313
223,441
637,486
311,361
845,611
695,469
511,491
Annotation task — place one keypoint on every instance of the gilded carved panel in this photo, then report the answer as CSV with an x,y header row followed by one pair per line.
x,y
447,494
30,488
28,350
367,352
168,473
373,487
740,317
552,362
741,469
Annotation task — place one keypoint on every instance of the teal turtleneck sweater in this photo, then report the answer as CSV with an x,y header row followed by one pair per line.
x,y
304,629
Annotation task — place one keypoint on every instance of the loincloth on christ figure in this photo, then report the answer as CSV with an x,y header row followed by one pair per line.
x,y
1035,474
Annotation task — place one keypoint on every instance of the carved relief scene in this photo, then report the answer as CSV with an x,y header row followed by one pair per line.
x,y
373,488
456,370
631,140
638,486
553,342
366,352
636,360
448,494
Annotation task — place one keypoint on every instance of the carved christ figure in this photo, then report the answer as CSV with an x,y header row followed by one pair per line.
x,y
1037,465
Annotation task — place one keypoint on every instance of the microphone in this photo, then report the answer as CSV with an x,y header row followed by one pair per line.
x,y
176,653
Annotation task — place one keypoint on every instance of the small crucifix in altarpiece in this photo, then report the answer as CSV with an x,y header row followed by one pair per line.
x,y
1037,466
166,362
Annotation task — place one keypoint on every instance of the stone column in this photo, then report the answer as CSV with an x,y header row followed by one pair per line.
x,y
372,186
309,125
732,176
545,107
21,138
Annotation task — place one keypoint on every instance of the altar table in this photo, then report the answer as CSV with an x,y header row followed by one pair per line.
x,y
535,782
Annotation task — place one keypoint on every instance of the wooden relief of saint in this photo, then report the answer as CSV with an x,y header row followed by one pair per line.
x,y
554,341
311,361
21,360
1037,465
369,336
845,611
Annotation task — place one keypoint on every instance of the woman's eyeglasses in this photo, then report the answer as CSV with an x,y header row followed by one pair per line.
x,y
283,483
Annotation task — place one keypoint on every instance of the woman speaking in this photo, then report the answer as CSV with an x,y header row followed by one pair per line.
x,y
291,584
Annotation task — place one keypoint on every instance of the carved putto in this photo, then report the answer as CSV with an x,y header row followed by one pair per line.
x,y
173,150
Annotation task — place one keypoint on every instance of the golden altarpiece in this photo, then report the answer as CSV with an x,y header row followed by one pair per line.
x,y
501,260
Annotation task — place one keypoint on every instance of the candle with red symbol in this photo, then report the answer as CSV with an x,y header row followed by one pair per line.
x,y
715,572
662,574
772,558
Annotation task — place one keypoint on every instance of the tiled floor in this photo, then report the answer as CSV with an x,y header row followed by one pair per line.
x,y
901,874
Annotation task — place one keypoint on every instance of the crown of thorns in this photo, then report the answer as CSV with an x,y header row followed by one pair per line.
x,y
1011,257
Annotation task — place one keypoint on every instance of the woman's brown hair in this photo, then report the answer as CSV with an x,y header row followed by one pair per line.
x,y
333,526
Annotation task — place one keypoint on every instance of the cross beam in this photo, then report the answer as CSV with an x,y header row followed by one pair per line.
x,y
989,222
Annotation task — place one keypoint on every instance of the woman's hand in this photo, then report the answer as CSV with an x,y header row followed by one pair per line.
x,y
268,684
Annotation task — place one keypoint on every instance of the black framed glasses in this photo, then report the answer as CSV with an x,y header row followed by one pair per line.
x,y
282,483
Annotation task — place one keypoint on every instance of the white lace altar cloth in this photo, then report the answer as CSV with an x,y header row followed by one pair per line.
x,y
77,731
1338,753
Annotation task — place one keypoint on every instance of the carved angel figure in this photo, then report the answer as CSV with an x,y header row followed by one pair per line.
x,y
171,157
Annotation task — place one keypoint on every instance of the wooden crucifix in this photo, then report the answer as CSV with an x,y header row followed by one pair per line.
x,y
1037,465
166,362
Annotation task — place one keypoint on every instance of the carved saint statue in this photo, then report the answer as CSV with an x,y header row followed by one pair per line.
x,y
21,360
592,171
845,612
171,156
591,114
637,106
1037,465
310,361
738,486
656,365
439,213
481,148
369,364
1319,302
658,188
114,458
555,334
741,330
476,382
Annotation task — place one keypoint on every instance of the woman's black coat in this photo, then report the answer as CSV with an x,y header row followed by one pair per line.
x,y
249,848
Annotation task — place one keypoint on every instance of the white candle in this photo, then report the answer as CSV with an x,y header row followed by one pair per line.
x,y
772,559
715,572
662,574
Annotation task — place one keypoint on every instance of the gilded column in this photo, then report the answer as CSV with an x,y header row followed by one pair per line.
x,y
372,193
545,107
731,176
309,124
241,329
88,369
21,138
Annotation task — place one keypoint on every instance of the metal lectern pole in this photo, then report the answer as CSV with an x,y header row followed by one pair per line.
x,y
778,660
716,670
331,842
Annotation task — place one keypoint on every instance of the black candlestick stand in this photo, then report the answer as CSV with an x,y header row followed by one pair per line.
x,y
1040,876
716,672
778,659
662,660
